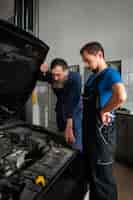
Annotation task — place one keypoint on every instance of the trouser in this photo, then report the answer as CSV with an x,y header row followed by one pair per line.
x,y
99,163
102,185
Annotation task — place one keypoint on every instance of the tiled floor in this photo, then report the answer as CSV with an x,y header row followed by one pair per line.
x,y
124,178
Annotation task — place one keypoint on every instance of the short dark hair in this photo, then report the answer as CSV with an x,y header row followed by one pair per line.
x,y
92,48
59,61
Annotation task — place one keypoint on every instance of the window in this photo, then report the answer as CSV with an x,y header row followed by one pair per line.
x,y
26,15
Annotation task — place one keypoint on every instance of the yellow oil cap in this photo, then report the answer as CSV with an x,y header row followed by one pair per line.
x,y
40,180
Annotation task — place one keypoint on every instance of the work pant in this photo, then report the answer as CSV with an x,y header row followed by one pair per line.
x,y
102,184
99,162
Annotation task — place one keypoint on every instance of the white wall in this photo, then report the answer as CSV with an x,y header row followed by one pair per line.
x,y
67,24
6,9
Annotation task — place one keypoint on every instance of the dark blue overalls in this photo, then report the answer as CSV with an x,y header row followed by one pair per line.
x,y
69,104
98,146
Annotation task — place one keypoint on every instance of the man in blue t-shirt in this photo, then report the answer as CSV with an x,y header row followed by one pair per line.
x,y
111,77
104,92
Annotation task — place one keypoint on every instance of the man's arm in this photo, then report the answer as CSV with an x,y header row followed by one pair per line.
x,y
69,134
73,99
119,96
44,74
73,96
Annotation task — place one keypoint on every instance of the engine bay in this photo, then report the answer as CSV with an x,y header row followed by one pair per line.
x,y
29,160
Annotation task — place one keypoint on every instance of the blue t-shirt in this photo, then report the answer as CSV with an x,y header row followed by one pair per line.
x,y
110,76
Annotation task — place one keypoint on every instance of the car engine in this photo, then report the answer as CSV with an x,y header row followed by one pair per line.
x,y
29,161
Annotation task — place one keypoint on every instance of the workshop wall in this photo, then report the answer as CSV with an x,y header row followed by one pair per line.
x,y
6,9
67,25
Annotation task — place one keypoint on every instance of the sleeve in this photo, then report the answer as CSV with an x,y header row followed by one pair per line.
x,y
73,96
47,77
113,77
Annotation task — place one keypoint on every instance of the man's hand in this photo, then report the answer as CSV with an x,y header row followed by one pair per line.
x,y
69,135
44,68
105,117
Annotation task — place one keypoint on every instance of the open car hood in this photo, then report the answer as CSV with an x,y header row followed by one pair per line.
x,y
21,55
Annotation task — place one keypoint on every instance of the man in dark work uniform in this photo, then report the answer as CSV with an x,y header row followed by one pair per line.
x,y
66,85
104,92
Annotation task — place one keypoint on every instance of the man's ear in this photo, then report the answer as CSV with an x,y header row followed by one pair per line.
x,y
100,54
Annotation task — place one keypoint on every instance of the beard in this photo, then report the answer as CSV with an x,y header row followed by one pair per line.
x,y
60,83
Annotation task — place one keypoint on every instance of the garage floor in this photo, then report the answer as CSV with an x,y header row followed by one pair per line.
x,y
124,177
